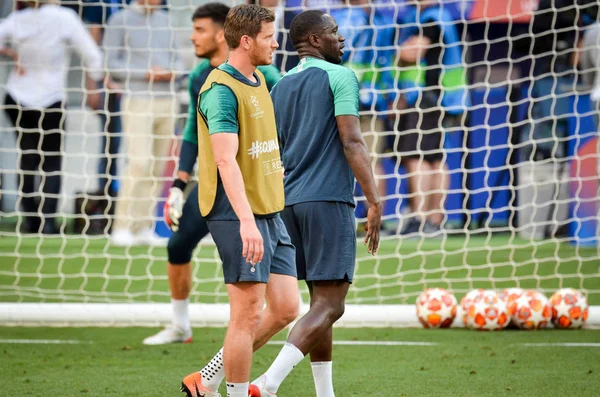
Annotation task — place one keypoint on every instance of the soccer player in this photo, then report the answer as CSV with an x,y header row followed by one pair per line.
x,y
185,220
316,108
241,195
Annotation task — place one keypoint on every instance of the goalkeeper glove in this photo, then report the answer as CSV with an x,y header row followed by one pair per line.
x,y
174,205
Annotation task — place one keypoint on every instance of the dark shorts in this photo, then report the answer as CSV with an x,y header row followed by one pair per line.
x,y
324,234
279,256
421,135
192,228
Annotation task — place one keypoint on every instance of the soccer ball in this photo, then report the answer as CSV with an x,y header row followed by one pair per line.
x,y
530,311
436,308
466,301
487,312
510,295
569,308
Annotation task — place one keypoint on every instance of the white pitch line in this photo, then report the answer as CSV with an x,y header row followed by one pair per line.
x,y
45,342
368,343
561,344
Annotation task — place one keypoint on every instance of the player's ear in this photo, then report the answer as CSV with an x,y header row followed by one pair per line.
x,y
245,42
220,36
314,40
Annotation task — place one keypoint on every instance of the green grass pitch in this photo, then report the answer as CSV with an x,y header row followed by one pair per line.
x,y
461,363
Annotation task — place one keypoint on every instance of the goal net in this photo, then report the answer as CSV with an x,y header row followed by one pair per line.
x,y
488,176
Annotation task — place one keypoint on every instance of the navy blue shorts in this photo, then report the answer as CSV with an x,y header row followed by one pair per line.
x,y
192,228
279,256
324,234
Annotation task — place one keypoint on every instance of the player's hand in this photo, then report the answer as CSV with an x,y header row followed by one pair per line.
x,y
94,100
112,87
372,228
252,242
174,207
414,48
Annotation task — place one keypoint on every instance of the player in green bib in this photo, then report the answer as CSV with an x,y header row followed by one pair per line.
x,y
183,216
240,196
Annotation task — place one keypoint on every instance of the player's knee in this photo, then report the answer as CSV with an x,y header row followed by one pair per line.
x,y
287,312
246,320
178,251
333,309
337,310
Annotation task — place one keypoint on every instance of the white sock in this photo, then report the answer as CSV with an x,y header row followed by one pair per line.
x,y
322,375
214,372
237,389
181,315
284,363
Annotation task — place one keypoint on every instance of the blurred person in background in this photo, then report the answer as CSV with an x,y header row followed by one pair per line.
x,y
96,14
142,56
590,63
36,99
433,84
555,26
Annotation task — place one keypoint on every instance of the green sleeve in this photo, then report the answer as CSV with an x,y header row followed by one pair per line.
x,y
344,85
195,81
190,131
219,107
272,75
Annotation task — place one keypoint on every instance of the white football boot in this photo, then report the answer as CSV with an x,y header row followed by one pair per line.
x,y
171,334
257,388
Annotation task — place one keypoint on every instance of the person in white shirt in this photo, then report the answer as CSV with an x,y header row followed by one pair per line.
x,y
40,39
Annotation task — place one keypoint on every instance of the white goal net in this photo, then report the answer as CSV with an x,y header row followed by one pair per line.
x,y
480,116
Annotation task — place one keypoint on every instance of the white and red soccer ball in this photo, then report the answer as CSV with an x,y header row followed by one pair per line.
x,y
487,312
569,308
466,301
510,295
436,308
531,310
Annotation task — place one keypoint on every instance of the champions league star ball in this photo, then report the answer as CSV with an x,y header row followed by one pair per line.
x,y
487,312
569,308
436,308
510,295
466,301
530,311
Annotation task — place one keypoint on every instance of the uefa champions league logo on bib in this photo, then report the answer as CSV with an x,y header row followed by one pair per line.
x,y
258,111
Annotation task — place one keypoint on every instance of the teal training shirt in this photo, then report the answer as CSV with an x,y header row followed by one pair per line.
x,y
307,101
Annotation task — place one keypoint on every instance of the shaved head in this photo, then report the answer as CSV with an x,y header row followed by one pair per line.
x,y
305,24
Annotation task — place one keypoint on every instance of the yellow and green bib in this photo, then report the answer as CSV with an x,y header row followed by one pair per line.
x,y
258,155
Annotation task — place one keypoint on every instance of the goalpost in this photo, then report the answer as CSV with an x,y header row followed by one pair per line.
x,y
512,218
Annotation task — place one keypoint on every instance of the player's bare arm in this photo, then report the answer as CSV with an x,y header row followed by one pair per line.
x,y
357,155
225,148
